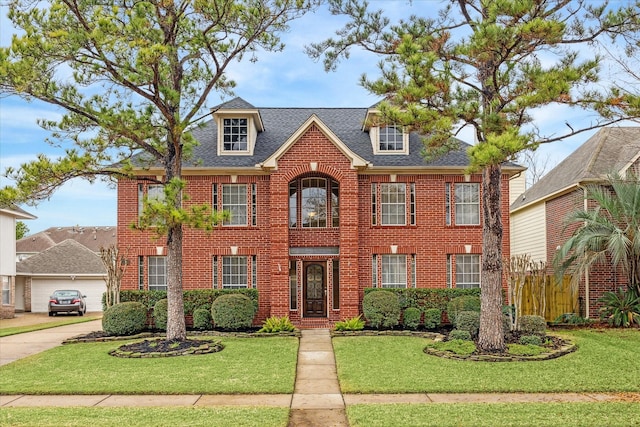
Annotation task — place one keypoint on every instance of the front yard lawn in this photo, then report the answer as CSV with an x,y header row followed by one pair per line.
x,y
246,365
606,361
621,414
143,417
36,323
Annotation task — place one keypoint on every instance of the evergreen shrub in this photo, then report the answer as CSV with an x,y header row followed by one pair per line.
x,y
233,311
160,314
126,318
382,309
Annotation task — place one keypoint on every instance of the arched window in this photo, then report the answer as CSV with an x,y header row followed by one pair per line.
x,y
314,203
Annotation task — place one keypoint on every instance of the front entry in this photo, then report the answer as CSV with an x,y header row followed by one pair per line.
x,y
314,290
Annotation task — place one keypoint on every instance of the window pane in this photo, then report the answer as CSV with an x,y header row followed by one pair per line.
x,y
467,199
336,284
394,271
6,290
293,286
157,273
335,204
235,134
392,203
234,272
391,138
314,202
467,271
234,200
293,204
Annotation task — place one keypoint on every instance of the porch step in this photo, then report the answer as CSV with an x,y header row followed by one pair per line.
x,y
314,324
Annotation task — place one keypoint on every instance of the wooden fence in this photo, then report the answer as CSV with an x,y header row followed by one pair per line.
x,y
560,298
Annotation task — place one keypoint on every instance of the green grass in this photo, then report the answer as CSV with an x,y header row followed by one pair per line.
x,y
246,365
142,417
67,320
606,361
496,414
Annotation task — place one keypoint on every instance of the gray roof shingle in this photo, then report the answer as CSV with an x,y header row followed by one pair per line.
x,y
609,150
92,237
68,257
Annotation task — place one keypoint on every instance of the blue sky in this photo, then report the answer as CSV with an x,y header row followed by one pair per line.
x,y
288,78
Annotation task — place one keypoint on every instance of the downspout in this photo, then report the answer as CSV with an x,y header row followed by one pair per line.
x,y
587,305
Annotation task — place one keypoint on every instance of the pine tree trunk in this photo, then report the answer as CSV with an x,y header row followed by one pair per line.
x,y
491,335
176,327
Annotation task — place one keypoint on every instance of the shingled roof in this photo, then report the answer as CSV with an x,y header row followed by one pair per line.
x,y
609,150
66,258
281,123
91,237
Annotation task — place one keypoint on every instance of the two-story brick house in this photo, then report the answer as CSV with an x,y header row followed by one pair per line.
x,y
323,206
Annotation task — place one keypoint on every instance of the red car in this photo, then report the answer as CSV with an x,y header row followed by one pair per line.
x,y
67,301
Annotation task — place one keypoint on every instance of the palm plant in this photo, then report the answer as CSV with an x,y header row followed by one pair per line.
x,y
610,232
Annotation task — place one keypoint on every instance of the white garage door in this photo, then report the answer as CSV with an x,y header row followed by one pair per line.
x,y
41,290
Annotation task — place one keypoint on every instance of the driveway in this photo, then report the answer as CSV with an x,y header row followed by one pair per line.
x,y
14,347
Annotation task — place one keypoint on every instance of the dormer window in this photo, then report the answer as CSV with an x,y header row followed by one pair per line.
x,y
235,133
391,138
385,138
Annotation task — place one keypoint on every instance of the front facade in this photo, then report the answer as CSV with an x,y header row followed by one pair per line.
x,y
324,203
538,216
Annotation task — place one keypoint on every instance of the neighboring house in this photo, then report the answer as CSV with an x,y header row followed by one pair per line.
x,y
324,203
67,265
8,217
537,216
49,261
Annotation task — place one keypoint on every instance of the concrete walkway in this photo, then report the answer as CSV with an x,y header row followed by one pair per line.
x,y
316,401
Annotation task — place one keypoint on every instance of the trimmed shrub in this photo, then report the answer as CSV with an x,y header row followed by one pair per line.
x,y
462,303
353,324
126,318
457,334
202,319
532,325
411,318
530,340
275,324
432,318
160,314
468,321
233,311
382,309
425,298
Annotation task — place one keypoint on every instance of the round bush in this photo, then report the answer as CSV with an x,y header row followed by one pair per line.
x,y
160,314
457,334
411,318
233,311
126,318
432,318
382,309
202,319
463,303
532,325
530,340
468,321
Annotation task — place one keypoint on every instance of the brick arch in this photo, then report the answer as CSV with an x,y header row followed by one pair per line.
x,y
305,170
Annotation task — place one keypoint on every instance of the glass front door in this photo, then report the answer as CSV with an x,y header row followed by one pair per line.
x,y
315,290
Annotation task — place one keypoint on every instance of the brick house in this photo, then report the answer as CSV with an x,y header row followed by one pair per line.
x,y
538,215
323,206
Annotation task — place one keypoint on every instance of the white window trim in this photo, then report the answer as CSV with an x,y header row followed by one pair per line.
x,y
456,204
251,135
227,223
233,259
401,259
374,134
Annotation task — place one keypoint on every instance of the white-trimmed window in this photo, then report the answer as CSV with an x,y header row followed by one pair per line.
x,y
234,272
465,200
392,271
234,200
157,273
393,204
391,138
235,134
467,271
6,290
314,202
152,192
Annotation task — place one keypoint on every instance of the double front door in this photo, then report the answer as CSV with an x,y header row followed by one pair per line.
x,y
314,289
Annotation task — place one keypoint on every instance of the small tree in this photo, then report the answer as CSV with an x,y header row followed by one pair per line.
x,y
608,232
115,263
522,273
21,230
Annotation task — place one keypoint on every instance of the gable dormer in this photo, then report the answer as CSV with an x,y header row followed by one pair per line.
x,y
238,124
386,138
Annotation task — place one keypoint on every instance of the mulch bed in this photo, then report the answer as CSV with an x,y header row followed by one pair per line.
x,y
167,348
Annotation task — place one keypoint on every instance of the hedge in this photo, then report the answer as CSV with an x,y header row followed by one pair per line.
x,y
426,298
193,299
